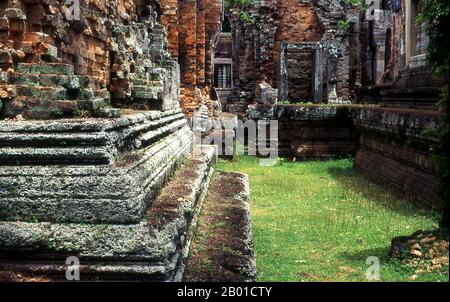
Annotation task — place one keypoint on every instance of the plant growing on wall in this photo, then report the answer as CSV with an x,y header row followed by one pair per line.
x,y
345,24
246,18
231,3
354,3
238,7
435,16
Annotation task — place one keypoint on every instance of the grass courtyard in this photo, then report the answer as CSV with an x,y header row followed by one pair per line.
x,y
320,221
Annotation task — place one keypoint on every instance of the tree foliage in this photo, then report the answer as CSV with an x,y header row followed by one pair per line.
x,y
435,15
231,3
239,7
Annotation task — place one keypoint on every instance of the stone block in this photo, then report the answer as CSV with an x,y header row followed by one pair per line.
x,y
47,68
4,24
25,79
146,92
40,92
5,57
53,80
15,14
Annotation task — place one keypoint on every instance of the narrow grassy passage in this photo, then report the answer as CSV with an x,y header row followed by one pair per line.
x,y
319,221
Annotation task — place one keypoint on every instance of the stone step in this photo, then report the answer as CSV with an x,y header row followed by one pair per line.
x,y
87,184
46,80
46,108
150,137
108,113
32,108
42,92
50,80
147,92
222,248
51,140
54,156
80,94
54,92
46,68
94,105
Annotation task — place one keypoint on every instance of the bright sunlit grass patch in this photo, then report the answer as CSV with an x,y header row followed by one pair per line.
x,y
319,221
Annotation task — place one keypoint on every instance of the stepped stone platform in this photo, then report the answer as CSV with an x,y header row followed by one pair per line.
x,y
102,190
153,249
89,171
222,249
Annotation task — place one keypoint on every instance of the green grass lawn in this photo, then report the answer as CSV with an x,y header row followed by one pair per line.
x,y
319,221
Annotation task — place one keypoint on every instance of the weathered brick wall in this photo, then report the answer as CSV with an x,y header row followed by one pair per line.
x,y
313,132
254,43
193,26
298,23
81,43
187,31
56,62
201,42
169,18
213,23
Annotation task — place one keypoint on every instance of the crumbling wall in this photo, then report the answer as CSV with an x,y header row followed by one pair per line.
x,y
193,27
298,22
391,75
60,60
311,132
254,43
258,45
169,18
395,151
390,146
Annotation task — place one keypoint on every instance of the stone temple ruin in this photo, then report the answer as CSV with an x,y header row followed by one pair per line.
x,y
288,55
98,158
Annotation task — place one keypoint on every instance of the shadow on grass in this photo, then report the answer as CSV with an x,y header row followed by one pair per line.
x,y
380,252
379,193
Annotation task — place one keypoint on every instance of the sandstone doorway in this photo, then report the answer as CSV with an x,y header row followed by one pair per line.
x,y
300,76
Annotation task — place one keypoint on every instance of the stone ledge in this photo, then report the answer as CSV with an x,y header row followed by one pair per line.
x,y
222,251
91,124
111,176
298,112
76,194
397,122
